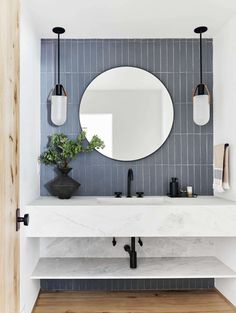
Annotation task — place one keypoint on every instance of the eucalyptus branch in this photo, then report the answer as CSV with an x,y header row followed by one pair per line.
x,y
61,150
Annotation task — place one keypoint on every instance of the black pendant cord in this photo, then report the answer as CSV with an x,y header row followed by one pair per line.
x,y
58,60
201,58
59,88
200,30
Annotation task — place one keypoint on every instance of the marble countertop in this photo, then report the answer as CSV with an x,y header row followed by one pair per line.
x,y
147,217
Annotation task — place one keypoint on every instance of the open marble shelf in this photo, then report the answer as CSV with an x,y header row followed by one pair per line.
x,y
118,268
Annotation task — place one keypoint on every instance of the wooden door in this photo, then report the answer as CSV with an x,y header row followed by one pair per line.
x,y
9,155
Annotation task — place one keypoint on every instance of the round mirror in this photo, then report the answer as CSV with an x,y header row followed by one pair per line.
x,y
130,110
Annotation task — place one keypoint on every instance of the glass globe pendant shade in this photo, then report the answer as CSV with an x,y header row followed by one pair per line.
x,y
201,109
201,106
58,109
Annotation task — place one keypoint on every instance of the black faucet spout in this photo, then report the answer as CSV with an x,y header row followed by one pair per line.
x,y
130,177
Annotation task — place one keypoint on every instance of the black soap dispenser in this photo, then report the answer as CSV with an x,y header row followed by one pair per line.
x,y
174,187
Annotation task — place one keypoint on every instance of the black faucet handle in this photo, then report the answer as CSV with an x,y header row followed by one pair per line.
x,y
118,194
140,242
139,194
114,241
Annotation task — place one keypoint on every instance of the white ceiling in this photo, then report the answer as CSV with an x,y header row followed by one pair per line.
x,y
130,18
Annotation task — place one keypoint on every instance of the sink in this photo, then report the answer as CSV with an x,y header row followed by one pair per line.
x,y
131,201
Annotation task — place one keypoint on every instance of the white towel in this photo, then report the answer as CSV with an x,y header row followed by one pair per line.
x,y
226,168
221,168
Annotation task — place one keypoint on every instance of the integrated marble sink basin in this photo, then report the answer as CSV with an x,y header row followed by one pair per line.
x,y
131,201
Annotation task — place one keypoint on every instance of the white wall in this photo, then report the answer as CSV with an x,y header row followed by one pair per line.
x,y
225,96
226,252
225,132
29,149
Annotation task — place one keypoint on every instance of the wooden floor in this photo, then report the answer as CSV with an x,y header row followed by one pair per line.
x,y
133,302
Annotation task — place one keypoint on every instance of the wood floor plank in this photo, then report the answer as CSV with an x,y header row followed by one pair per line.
x,y
133,302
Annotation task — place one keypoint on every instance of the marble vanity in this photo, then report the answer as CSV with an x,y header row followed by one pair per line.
x,y
201,217
204,216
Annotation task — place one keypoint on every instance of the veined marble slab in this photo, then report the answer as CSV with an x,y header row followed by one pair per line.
x,y
162,217
101,247
112,268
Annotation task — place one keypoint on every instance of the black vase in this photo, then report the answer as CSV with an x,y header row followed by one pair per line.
x,y
63,186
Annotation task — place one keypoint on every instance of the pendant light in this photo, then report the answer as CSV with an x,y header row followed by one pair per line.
x,y
59,96
201,95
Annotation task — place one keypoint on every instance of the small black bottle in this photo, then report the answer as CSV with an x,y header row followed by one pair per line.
x,y
174,187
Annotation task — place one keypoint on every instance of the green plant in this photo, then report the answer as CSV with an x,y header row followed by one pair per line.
x,y
61,150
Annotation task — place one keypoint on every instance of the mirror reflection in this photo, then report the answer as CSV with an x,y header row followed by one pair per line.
x,y
130,110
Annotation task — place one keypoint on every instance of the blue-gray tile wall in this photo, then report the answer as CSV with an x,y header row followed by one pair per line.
x,y
126,284
186,154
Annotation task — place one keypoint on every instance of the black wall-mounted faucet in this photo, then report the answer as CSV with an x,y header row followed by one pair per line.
x,y
130,177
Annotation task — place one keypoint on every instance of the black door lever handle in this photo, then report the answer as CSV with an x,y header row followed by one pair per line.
x,y
20,219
